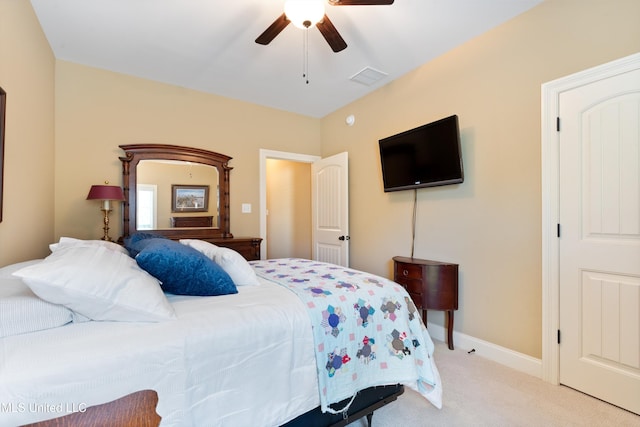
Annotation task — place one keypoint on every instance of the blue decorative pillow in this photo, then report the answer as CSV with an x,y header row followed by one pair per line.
x,y
137,241
183,270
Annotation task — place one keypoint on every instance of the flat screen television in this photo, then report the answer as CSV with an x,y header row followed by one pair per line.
x,y
426,156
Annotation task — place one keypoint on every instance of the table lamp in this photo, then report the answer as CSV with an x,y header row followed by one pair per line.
x,y
106,193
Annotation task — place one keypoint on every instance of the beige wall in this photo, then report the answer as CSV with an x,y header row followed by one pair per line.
x,y
26,74
490,224
97,110
289,207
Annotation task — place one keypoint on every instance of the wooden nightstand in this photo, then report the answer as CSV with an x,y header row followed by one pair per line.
x,y
432,285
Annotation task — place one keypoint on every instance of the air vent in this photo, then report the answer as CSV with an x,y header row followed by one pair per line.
x,y
368,76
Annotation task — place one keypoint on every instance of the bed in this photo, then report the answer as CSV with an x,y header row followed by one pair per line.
x,y
96,334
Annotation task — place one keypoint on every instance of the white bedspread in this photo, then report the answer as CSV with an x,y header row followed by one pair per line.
x,y
235,360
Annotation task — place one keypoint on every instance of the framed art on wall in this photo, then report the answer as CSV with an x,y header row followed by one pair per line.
x,y
3,105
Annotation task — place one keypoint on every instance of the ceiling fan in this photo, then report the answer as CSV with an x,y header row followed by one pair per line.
x,y
307,13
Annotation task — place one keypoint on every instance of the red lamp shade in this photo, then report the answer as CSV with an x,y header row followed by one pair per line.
x,y
105,192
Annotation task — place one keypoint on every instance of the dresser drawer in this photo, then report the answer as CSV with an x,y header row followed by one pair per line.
x,y
248,247
417,299
409,271
411,285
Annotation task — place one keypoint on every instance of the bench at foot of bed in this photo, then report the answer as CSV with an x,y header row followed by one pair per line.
x,y
134,410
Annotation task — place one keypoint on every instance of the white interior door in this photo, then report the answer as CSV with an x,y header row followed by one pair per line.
x,y
599,245
330,209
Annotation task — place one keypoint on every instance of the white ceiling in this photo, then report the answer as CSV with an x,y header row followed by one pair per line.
x,y
208,45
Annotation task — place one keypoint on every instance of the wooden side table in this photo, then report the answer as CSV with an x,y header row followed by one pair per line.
x,y
432,285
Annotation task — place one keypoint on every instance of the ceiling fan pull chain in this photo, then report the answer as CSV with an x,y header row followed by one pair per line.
x,y
305,55
304,50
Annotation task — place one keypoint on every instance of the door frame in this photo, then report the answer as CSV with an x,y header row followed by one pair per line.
x,y
551,203
264,156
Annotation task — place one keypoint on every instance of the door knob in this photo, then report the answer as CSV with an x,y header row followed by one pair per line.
x,y
344,238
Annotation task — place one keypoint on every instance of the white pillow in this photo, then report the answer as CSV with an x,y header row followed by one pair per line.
x,y
231,261
8,270
22,312
70,241
209,249
98,283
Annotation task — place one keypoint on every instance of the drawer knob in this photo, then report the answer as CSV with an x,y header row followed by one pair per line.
x,y
405,272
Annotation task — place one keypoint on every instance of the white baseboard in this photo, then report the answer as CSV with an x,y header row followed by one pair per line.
x,y
504,356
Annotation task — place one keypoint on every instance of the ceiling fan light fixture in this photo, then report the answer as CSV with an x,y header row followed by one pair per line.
x,y
304,13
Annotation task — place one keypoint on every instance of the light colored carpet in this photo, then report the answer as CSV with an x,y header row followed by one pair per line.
x,y
479,392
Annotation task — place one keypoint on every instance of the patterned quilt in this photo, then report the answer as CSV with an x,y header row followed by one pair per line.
x,y
366,329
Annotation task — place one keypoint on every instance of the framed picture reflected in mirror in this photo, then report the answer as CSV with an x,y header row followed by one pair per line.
x,y
189,198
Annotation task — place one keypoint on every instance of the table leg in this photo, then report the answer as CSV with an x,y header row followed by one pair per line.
x,y
450,329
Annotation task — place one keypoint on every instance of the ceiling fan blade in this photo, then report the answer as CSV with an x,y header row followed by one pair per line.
x,y
360,2
273,30
331,35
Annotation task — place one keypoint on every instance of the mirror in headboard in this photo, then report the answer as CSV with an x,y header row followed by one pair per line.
x,y
179,192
